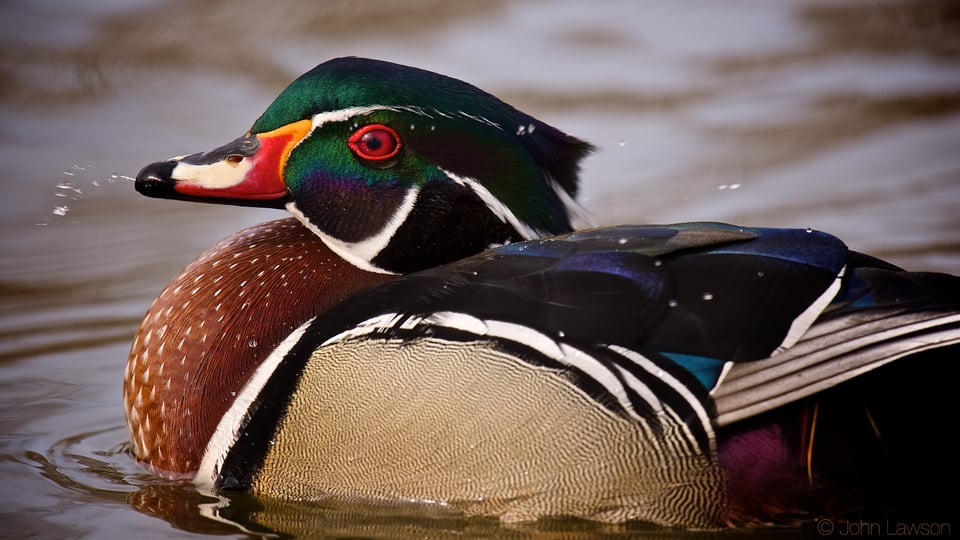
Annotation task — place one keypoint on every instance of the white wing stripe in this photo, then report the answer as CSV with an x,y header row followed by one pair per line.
x,y
228,429
805,320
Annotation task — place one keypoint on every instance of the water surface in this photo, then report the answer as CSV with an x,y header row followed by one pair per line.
x,y
842,116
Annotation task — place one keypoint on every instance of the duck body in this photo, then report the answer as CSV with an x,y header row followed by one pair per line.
x,y
696,375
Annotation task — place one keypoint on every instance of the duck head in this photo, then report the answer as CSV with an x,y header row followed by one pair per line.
x,y
384,162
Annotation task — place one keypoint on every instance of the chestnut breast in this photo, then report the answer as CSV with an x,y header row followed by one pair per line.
x,y
213,324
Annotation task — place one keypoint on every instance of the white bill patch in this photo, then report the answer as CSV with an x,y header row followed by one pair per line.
x,y
219,175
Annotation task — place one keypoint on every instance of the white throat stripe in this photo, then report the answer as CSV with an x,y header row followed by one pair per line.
x,y
360,254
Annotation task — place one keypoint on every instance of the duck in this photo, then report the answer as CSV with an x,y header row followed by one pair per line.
x,y
433,326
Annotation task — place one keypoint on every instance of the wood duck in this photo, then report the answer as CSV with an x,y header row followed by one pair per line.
x,y
431,329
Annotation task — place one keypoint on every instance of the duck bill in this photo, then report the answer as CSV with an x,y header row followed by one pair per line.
x,y
245,172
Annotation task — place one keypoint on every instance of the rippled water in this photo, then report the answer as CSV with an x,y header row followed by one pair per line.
x,y
843,116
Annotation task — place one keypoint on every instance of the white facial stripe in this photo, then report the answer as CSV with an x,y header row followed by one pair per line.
x,y
580,218
498,208
481,119
228,429
219,175
349,113
343,115
361,253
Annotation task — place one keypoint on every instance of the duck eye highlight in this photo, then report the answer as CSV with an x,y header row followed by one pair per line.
x,y
375,142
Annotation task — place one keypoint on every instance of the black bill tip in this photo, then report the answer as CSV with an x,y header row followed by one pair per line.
x,y
155,180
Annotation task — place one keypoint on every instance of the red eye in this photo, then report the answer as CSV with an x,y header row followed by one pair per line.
x,y
375,142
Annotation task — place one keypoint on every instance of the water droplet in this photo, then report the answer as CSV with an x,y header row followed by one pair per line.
x,y
809,230
759,274
722,187
433,128
61,210
530,128
622,241
252,343
232,393
708,296
95,183
622,143
561,333
67,186
69,173
672,303
734,186
658,262
412,127
521,130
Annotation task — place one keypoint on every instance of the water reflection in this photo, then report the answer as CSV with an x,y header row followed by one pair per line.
x,y
843,116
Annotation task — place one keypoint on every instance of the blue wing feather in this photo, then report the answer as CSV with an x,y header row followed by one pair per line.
x,y
707,370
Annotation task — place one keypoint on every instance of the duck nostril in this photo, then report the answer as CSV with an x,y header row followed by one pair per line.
x,y
234,158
